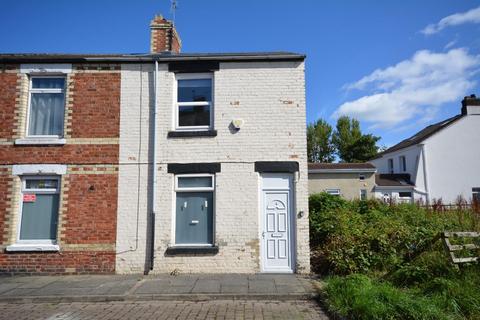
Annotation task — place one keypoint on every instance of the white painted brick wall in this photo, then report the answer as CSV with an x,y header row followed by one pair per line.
x,y
270,98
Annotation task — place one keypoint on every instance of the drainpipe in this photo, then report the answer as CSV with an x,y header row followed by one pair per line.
x,y
425,173
154,171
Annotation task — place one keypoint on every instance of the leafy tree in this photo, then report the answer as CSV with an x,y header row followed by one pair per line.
x,y
351,144
319,142
364,149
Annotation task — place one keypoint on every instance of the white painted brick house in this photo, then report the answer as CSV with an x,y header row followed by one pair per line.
x,y
439,162
244,165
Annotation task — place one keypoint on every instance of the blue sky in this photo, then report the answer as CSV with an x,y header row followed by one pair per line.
x,y
391,64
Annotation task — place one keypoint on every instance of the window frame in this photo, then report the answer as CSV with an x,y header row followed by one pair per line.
x,y
476,194
402,197
32,90
24,190
177,105
331,190
391,166
403,163
176,190
366,194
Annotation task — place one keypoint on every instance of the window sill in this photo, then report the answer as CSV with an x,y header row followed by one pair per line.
x,y
191,134
179,250
33,247
39,141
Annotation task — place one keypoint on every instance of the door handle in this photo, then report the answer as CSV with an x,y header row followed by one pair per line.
x,y
263,234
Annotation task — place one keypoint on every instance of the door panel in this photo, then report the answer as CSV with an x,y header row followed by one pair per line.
x,y
276,213
194,218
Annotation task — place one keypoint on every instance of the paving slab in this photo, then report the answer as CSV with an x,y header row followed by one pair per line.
x,y
206,286
155,287
261,286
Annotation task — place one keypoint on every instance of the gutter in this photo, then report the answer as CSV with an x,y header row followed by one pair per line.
x,y
150,58
342,170
377,187
151,251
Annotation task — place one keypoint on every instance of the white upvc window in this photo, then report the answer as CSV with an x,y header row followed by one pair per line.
x,y
46,107
194,210
476,194
390,166
363,194
194,102
333,192
39,208
403,163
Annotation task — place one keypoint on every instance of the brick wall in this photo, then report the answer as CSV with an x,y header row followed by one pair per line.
x,y
77,262
8,85
88,202
91,212
69,153
5,198
96,101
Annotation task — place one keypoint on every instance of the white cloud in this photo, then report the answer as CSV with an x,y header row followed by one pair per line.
x,y
412,89
450,44
470,16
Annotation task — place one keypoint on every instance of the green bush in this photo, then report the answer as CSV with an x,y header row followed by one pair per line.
x,y
391,267
369,236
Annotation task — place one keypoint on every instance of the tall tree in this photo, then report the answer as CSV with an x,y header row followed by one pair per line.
x,y
319,142
351,144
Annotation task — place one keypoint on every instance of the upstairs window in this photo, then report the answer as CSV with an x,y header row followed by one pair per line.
x,y
390,165
46,106
194,109
361,177
403,163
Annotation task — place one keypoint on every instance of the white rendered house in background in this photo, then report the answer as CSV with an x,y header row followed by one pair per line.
x,y
440,161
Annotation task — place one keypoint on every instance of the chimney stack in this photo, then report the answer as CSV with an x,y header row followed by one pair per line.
x,y
163,36
471,105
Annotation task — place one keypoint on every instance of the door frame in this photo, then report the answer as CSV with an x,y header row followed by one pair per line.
x,y
290,219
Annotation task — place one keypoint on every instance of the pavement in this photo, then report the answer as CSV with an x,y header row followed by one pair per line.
x,y
200,310
108,288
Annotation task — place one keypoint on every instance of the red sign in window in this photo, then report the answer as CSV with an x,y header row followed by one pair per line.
x,y
29,198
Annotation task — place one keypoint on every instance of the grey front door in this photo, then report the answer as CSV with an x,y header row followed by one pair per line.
x,y
194,218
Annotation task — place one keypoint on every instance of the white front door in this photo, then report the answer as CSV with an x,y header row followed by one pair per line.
x,y
276,215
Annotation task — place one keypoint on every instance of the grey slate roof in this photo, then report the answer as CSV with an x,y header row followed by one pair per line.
x,y
421,135
393,180
136,57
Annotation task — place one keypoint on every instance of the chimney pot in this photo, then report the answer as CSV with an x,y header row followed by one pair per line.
x,y
163,36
